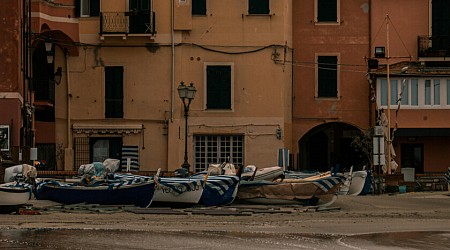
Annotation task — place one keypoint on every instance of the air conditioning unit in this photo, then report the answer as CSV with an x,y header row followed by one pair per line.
x,y
378,131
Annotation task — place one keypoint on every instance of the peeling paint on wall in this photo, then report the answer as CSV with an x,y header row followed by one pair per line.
x,y
365,7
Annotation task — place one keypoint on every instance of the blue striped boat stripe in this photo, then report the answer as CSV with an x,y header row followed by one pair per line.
x,y
219,183
329,182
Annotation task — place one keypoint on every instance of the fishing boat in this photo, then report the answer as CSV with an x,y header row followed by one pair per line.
x,y
320,191
218,190
268,173
177,192
117,189
13,195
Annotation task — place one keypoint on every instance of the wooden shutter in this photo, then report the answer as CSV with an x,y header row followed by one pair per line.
x,y
218,94
94,7
199,7
326,10
327,76
114,92
258,7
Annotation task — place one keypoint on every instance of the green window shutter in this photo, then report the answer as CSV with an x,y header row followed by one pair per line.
x,y
77,8
258,7
94,7
218,94
199,7
326,10
114,92
327,76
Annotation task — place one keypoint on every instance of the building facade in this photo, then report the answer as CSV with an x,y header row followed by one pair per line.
x,y
419,78
118,97
331,106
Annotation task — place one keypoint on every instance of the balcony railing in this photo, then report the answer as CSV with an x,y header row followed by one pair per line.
x,y
433,46
134,22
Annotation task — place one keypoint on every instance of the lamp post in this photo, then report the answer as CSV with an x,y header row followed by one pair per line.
x,y
187,94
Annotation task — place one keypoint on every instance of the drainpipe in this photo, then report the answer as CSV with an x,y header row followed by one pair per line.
x,y
69,136
173,61
370,53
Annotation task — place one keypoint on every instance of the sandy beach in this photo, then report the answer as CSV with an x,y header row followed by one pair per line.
x,y
353,214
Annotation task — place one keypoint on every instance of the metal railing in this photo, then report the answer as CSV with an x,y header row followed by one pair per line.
x,y
133,22
433,46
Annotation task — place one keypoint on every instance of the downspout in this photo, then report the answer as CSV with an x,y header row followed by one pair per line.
x,y
370,53
69,135
173,61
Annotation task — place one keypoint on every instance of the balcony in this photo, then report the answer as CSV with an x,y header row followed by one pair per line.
x,y
133,23
433,48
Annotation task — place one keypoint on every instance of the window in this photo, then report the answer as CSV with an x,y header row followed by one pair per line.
x,y
211,149
414,92
420,93
102,148
199,7
258,7
327,76
114,92
327,11
87,8
219,87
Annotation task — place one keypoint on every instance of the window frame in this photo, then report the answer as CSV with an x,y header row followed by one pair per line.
x,y
203,145
258,14
338,14
205,70
90,4
442,97
316,90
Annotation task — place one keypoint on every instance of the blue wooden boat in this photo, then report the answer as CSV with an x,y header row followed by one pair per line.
x,y
120,189
219,190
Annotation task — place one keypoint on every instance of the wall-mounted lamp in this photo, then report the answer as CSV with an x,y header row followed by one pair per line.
x,y
49,50
380,52
58,75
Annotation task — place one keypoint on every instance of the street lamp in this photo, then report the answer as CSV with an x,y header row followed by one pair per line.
x,y
49,49
186,93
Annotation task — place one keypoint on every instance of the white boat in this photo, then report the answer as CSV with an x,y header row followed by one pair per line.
x,y
177,192
358,180
268,173
13,195
354,182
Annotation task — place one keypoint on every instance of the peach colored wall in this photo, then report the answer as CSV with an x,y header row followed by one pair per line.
x,y
349,40
408,19
261,87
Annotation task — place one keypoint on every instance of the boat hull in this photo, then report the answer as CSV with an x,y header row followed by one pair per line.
x,y
13,198
177,192
136,194
219,190
318,192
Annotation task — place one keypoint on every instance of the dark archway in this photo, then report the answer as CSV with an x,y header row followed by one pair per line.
x,y
327,145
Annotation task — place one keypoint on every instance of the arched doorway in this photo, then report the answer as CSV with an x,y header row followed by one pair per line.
x,y
329,145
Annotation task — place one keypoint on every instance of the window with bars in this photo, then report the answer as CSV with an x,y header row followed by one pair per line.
x,y
81,150
211,149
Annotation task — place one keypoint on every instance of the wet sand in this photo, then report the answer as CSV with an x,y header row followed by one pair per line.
x,y
356,214
356,218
